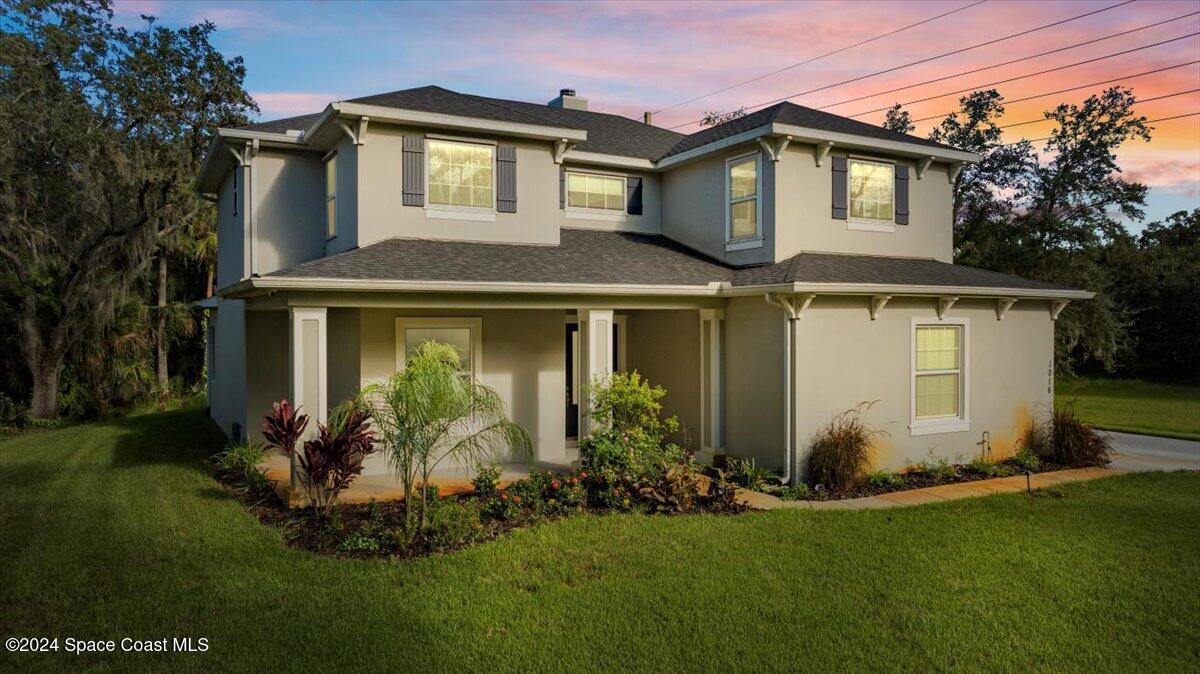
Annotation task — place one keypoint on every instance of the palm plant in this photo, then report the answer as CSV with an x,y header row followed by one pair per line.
x,y
429,412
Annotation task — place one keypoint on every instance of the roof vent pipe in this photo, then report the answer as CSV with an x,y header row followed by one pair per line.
x,y
648,117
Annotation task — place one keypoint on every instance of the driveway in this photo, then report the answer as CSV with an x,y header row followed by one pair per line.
x,y
1146,452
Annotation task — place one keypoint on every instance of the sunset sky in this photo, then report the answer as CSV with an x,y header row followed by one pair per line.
x,y
629,57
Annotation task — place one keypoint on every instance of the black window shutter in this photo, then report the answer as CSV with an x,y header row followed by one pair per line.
x,y
633,195
562,187
413,169
901,194
840,186
506,179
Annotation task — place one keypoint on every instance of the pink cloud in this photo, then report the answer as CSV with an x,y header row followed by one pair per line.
x,y
277,104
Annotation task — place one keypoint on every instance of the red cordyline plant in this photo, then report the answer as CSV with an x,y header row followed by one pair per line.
x,y
330,461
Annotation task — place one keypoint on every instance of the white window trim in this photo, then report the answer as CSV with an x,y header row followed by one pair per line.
x,y
449,211
744,242
475,323
331,157
934,425
869,224
605,214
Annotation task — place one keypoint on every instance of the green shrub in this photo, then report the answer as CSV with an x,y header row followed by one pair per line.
x,y
242,465
1075,443
885,479
746,474
502,506
936,468
722,495
486,480
841,451
630,445
1026,460
359,541
675,490
989,468
795,492
453,524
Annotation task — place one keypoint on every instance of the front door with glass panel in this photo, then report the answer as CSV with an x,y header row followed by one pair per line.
x,y
574,384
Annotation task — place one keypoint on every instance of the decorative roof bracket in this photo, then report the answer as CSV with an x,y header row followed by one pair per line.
x,y
944,304
560,149
878,302
823,151
775,150
923,166
1056,307
1003,305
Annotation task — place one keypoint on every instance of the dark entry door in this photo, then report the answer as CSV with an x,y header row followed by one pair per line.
x,y
572,395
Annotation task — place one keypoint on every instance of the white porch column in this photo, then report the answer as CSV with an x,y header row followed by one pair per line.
x,y
711,409
595,356
308,374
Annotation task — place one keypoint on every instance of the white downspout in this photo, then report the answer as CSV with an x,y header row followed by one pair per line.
x,y
789,318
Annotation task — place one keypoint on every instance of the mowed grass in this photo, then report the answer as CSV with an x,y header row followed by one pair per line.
x,y
116,529
1134,406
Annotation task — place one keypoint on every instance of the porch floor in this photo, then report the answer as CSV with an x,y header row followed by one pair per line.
x,y
386,486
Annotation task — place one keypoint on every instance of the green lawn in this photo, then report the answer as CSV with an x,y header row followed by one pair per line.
x,y
116,529
1135,406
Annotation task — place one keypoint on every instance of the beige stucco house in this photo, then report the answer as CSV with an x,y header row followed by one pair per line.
x,y
769,272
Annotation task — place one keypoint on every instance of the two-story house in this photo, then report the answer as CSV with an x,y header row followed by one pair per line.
x,y
769,272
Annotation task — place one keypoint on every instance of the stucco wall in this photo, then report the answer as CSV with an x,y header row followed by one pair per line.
x,y
805,221
845,358
694,204
289,209
266,365
231,247
664,346
227,371
348,198
523,359
382,214
753,377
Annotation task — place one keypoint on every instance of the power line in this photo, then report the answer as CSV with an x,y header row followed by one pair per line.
x,y
1033,74
817,58
930,58
1148,121
1007,63
1063,91
1140,100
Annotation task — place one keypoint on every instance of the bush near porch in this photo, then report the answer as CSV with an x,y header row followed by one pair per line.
x,y
117,529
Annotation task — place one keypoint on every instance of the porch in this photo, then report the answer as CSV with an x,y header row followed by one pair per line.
x,y
537,353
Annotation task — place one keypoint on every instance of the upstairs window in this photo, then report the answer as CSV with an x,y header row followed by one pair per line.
x,y
461,174
331,197
598,192
743,207
872,190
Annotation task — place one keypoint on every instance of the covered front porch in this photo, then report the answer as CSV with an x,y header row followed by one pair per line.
x,y
538,352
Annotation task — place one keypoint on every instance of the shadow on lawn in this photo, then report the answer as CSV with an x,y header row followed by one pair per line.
x,y
185,437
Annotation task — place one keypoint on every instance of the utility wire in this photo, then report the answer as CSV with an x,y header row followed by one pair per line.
x,y
1148,121
1007,63
1139,101
1033,74
927,59
817,58
1063,91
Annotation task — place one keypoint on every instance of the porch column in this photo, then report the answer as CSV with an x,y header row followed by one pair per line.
x,y
308,378
711,409
595,356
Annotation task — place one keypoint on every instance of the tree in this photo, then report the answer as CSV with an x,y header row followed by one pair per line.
x,y
96,128
898,120
714,118
429,412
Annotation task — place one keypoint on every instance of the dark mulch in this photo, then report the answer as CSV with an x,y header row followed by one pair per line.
x,y
919,480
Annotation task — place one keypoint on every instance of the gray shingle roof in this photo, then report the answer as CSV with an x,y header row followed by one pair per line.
x,y
798,115
605,257
607,134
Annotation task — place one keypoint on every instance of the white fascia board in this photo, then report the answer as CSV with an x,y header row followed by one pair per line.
x,y
249,286
909,290
262,136
715,146
445,121
818,136
614,160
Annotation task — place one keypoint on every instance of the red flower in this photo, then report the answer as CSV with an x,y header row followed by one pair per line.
x,y
516,499
554,484
504,497
572,480
583,475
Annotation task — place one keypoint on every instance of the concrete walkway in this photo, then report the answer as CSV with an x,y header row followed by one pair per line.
x,y
1147,452
939,494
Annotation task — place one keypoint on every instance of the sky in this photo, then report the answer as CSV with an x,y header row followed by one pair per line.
x,y
630,57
